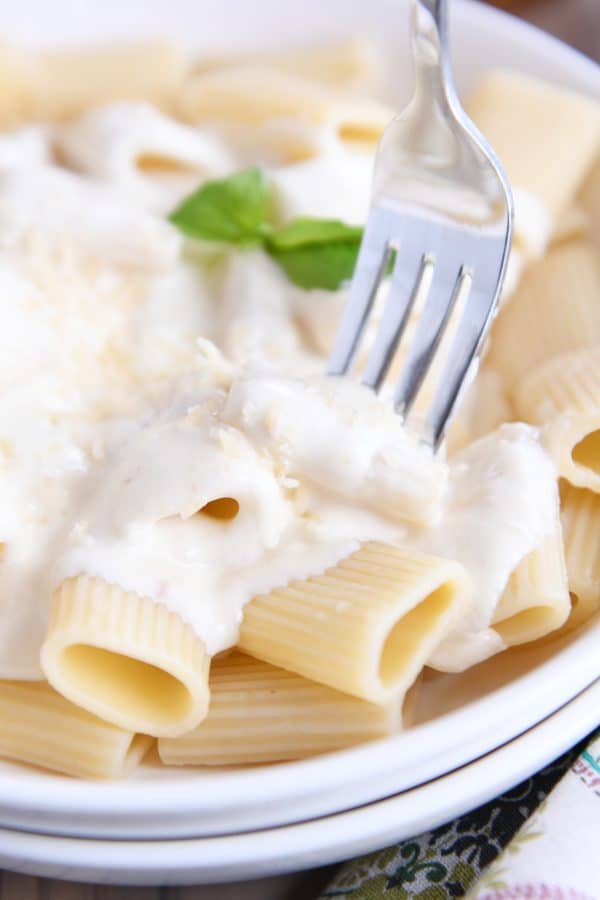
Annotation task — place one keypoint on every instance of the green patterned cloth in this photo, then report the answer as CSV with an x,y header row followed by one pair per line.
x,y
445,863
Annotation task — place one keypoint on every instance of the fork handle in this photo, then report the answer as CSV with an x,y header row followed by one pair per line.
x,y
430,46
436,9
429,26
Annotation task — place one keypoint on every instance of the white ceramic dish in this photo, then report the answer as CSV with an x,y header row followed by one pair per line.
x,y
314,843
161,803
169,803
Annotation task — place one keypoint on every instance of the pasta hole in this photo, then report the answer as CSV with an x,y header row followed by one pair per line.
x,y
578,609
587,452
223,509
127,685
526,625
357,133
135,753
582,609
300,154
293,148
156,164
407,634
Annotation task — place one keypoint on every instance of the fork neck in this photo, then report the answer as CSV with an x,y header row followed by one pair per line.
x,y
430,50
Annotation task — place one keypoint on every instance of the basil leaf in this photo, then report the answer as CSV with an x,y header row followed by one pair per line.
x,y
324,266
304,232
316,253
231,209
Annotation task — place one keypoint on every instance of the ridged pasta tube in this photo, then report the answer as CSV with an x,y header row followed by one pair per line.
x,y
68,82
125,658
260,714
253,94
366,626
563,396
580,511
536,600
519,115
348,64
40,727
555,309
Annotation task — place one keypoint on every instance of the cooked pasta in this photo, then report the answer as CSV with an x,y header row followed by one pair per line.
x,y
253,94
553,311
39,727
204,539
142,152
349,64
125,658
365,627
16,81
536,600
563,396
580,510
486,406
574,224
59,84
68,82
519,115
259,713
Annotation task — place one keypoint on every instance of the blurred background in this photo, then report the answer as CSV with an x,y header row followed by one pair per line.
x,y
575,21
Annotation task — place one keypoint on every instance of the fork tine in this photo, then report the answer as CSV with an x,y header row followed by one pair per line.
x,y
409,270
370,269
470,333
438,308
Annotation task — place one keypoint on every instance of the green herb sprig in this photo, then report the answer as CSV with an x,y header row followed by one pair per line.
x,y
314,253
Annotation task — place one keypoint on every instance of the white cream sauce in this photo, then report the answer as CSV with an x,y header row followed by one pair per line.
x,y
139,382
150,158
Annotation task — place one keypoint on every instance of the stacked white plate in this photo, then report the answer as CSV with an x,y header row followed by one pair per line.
x,y
480,733
183,825
257,853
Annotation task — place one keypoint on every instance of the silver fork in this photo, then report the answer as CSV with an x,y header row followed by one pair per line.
x,y
443,207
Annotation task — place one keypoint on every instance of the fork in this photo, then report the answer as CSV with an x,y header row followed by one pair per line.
x,y
442,217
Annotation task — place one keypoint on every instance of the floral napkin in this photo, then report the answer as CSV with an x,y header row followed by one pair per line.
x,y
540,841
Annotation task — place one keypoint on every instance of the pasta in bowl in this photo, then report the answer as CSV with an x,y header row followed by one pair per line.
x,y
182,480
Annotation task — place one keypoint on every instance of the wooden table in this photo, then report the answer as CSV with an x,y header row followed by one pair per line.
x,y
578,23
287,887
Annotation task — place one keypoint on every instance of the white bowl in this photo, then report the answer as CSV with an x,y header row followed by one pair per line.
x,y
164,803
314,843
161,803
